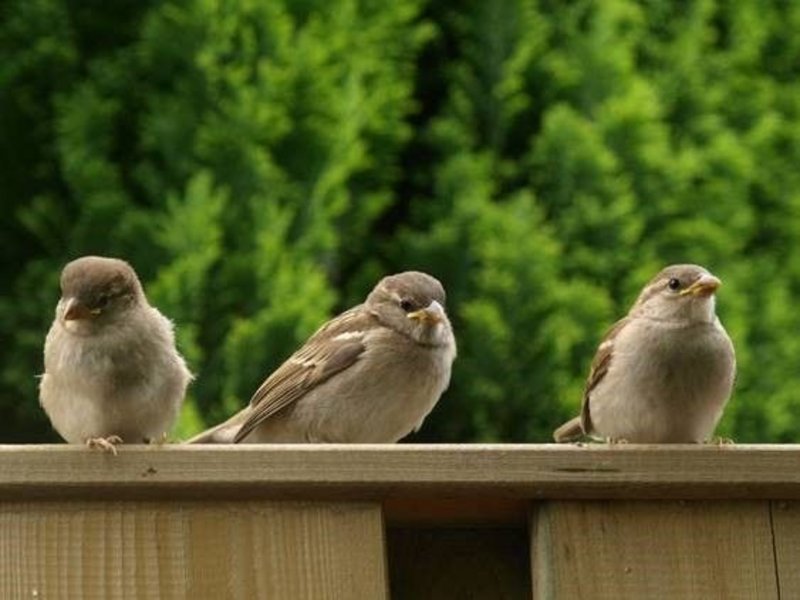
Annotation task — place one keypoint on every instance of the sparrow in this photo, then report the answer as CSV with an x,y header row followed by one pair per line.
x,y
663,373
370,375
111,369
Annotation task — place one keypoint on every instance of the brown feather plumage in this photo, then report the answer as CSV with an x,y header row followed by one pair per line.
x,y
315,362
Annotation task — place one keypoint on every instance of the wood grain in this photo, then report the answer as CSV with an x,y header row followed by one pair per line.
x,y
191,550
458,563
388,471
686,550
308,521
786,529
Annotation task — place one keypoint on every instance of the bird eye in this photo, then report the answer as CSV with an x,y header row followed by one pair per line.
x,y
407,305
674,284
102,301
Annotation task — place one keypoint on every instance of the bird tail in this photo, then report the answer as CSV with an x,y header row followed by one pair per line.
x,y
219,434
570,431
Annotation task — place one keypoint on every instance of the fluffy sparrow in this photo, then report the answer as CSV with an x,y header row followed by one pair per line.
x,y
372,374
112,372
664,373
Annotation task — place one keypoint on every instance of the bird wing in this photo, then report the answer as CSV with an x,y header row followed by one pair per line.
x,y
600,365
336,346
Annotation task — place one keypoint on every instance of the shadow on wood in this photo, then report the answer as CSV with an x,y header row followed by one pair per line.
x,y
477,563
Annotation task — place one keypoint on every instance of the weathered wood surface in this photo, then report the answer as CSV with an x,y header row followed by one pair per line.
x,y
649,549
360,521
786,529
389,471
192,550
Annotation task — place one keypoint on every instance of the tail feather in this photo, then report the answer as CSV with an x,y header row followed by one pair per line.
x,y
570,431
224,433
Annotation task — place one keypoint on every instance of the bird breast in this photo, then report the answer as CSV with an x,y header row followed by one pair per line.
x,y
666,382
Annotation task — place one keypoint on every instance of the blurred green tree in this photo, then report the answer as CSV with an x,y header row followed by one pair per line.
x,y
262,164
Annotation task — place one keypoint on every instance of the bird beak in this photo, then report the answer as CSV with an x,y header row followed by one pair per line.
x,y
433,313
74,310
705,286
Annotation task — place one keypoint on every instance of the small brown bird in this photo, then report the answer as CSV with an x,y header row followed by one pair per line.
x,y
372,374
112,372
664,373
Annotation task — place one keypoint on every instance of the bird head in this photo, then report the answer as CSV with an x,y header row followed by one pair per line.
x,y
679,292
96,291
412,303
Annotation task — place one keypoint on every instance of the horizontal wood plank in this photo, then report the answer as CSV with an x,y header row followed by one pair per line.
x,y
386,472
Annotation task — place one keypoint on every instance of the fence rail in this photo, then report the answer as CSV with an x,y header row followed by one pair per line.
x,y
401,521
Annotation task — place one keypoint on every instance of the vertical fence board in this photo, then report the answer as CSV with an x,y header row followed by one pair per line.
x,y
192,550
786,527
625,549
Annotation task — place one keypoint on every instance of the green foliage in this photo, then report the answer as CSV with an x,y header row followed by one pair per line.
x,y
262,164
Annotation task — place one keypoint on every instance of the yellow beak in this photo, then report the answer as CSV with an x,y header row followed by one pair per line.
x,y
433,313
705,286
74,310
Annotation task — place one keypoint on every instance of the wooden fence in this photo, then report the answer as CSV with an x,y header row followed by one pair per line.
x,y
402,521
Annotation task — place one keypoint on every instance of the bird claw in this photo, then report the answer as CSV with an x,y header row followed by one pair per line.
x,y
612,441
106,444
721,441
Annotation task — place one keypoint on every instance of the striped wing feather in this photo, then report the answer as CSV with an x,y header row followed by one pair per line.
x,y
335,347
600,365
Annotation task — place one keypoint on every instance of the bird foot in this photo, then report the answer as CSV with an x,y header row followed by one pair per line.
x,y
159,441
721,441
612,441
106,444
